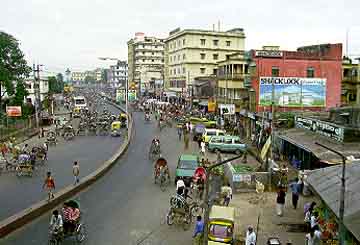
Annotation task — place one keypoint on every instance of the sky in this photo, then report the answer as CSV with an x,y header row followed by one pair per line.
x,y
72,34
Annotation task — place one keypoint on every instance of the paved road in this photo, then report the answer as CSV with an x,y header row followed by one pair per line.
x,y
90,151
125,206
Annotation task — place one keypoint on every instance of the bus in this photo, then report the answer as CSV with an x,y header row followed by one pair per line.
x,y
79,102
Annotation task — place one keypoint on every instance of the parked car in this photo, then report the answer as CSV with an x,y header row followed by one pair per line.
x,y
226,144
210,132
187,164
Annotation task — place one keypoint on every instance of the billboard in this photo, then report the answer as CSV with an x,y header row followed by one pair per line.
x,y
120,95
292,91
13,111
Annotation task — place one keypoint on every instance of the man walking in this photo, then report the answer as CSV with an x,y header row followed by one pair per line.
x,y
199,231
295,189
49,183
250,237
76,172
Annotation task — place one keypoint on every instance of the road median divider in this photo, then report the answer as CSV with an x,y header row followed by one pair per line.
x,y
27,215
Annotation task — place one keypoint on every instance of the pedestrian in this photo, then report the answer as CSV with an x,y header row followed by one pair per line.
x,y
198,231
199,140
202,148
314,220
295,190
179,131
49,183
76,172
313,237
227,192
186,141
180,187
250,236
280,202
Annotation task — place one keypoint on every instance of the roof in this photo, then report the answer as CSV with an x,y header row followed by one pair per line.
x,y
326,182
188,157
221,212
236,32
306,140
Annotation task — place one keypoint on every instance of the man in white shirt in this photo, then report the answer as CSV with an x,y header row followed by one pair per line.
x,y
180,186
314,237
250,237
56,222
227,192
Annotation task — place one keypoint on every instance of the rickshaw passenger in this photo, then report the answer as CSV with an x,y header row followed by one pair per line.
x,y
66,210
56,222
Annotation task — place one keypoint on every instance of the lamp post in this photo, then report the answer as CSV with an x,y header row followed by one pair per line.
x,y
342,194
207,184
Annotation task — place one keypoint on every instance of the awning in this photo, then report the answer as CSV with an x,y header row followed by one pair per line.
x,y
306,140
327,183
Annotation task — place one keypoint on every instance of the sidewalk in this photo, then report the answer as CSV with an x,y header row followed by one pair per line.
x,y
18,193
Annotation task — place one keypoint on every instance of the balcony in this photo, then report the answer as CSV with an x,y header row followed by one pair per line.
x,y
351,79
233,76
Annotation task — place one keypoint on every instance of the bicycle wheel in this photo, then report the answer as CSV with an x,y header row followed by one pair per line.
x,y
81,233
173,202
196,210
186,222
170,218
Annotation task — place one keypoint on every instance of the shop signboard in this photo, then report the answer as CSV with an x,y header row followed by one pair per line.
x,y
211,106
131,95
326,129
269,53
13,111
292,91
120,95
227,109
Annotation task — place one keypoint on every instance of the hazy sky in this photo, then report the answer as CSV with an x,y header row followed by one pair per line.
x,y
73,33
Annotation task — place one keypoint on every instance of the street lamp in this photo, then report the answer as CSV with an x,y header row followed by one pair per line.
x,y
342,194
126,89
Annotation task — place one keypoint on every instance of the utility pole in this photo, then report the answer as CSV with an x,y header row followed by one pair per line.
x,y
206,199
36,88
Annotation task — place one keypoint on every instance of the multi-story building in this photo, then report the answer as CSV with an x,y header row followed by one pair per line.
x,y
77,76
350,86
233,81
118,74
192,53
32,87
146,61
306,79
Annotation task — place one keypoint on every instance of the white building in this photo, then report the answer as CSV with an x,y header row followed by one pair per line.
x,y
31,87
146,61
118,74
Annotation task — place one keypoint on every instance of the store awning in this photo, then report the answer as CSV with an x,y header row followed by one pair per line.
x,y
306,140
326,182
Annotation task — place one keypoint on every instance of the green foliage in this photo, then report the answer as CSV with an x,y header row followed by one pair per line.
x,y
20,94
89,79
13,66
56,84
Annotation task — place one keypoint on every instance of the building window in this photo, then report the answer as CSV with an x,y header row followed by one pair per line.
x,y
179,43
202,42
202,56
152,53
202,70
170,45
215,42
179,57
184,56
174,58
143,60
143,52
152,60
155,46
162,60
178,70
183,42
275,71
228,43
170,72
215,56
175,44
170,58
184,71
174,71
310,72
214,71
143,46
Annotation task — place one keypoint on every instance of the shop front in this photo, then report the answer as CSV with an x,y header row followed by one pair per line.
x,y
326,184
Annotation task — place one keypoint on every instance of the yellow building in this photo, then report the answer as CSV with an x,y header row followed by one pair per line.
x,y
192,53
350,86
233,81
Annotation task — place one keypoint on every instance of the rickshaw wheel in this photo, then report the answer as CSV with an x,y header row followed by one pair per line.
x,y
187,222
170,218
81,234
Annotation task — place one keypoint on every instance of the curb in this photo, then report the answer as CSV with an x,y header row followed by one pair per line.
x,y
34,211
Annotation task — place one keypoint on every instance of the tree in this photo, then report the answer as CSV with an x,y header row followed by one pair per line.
x,y
13,68
89,79
52,85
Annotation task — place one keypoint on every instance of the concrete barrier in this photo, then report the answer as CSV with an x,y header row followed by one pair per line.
x,y
27,215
